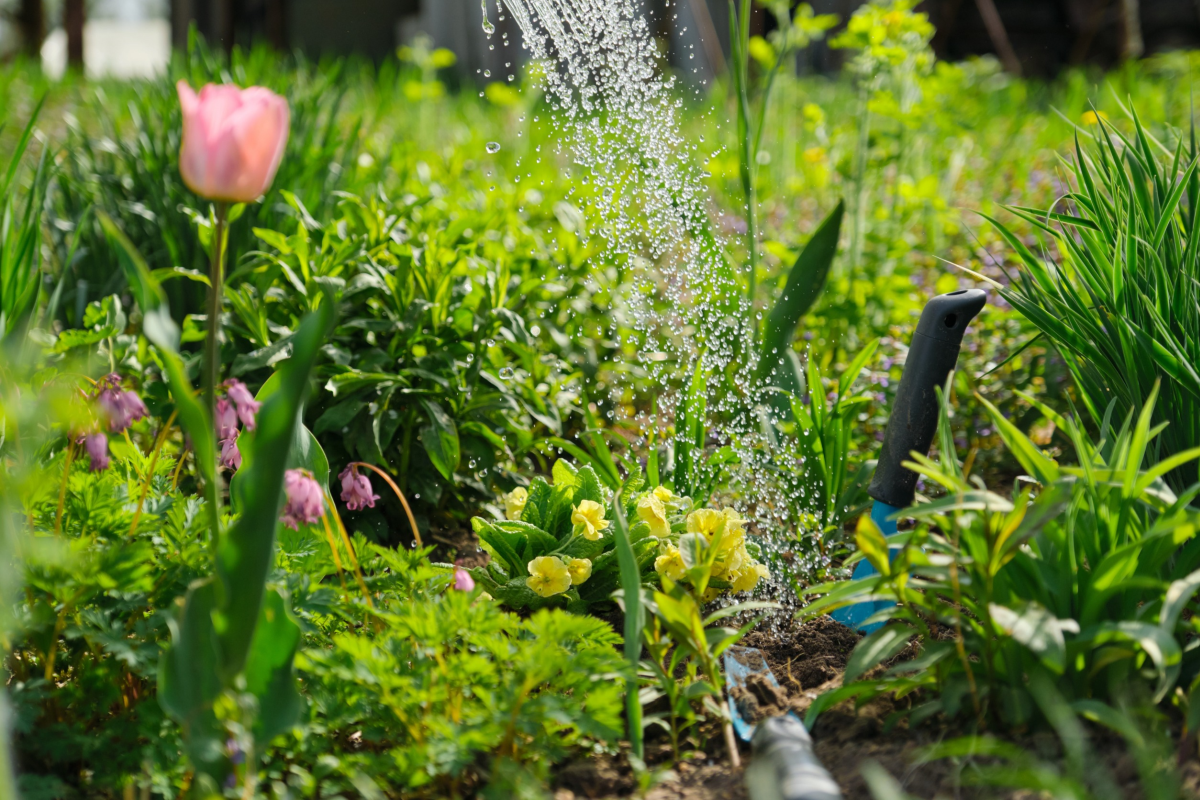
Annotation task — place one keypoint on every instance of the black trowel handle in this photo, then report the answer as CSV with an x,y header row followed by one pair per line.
x,y
914,419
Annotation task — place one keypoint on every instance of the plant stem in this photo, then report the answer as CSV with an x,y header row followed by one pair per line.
x,y
212,355
407,510
62,491
212,358
162,438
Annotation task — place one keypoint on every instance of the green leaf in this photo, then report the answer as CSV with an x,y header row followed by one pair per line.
x,y
875,649
1179,594
804,285
874,547
440,438
189,682
1156,642
245,552
1039,630
305,453
269,669
504,546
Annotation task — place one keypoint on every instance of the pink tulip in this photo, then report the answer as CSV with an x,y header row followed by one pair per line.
x,y
233,140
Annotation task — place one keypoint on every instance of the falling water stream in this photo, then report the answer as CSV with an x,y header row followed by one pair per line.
x,y
618,118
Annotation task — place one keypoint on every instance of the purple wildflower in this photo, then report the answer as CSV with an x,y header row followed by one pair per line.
x,y
463,581
231,457
356,489
247,406
97,450
304,505
227,421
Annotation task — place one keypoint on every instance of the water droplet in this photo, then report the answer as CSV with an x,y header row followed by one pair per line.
x,y
493,147
488,27
506,373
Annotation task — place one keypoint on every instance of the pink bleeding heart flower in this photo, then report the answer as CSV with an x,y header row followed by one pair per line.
x,y
96,445
227,421
231,456
122,408
233,140
463,581
247,406
356,489
304,505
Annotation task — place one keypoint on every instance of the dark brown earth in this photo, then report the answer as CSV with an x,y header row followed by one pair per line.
x,y
808,660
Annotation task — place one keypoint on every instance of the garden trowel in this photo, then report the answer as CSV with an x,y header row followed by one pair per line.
x,y
784,765
913,422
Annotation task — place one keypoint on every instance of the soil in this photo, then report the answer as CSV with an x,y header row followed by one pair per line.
x,y
808,660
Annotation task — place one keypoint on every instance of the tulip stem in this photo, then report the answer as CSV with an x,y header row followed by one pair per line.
x,y
212,355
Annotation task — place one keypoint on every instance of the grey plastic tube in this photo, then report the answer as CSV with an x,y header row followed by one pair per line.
x,y
784,765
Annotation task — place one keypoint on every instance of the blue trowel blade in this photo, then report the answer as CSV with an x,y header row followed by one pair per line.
x,y
854,616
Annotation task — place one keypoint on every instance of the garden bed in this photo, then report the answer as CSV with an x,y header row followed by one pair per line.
x,y
809,659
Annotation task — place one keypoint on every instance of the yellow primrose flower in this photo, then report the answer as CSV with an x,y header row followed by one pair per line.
x,y
514,502
670,564
710,595
814,155
548,576
748,578
1093,117
588,517
580,569
650,509
732,562
705,521
664,494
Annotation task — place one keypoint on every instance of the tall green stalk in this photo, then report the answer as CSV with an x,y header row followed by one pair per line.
x,y
212,354
739,37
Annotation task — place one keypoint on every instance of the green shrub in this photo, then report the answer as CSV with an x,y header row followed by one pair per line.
x,y
1080,582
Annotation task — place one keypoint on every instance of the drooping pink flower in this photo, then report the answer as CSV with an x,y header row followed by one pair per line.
x,y
96,445
121,408
233,140
134,407
227,421
231,456
304,505
247,406
356,489
463,581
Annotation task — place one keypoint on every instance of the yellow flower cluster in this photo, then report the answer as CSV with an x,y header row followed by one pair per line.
x,y
733,563
550,575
